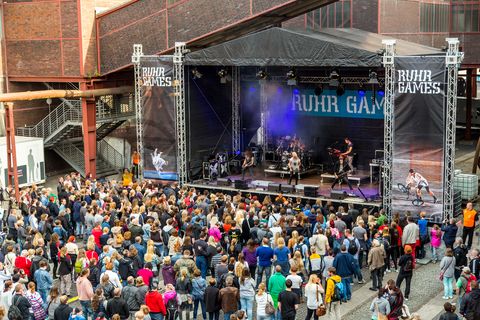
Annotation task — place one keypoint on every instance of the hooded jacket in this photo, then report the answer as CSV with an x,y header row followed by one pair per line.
x,y
470,307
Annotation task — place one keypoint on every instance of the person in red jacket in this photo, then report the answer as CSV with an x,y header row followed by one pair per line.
x,y
154,301
24,263
97,233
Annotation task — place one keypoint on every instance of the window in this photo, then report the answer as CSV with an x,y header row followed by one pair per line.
x,y
335,15
465,17
434,17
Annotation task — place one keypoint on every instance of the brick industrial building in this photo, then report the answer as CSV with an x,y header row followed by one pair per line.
x,y
64,43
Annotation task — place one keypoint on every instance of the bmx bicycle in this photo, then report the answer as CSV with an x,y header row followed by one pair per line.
x,y
404,189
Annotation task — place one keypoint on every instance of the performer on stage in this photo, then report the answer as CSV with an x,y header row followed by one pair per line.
x,y
417,181
294,164
342,175
248,164
348,154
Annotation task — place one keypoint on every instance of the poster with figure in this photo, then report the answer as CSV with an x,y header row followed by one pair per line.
x,y
30,161
419,128
159,139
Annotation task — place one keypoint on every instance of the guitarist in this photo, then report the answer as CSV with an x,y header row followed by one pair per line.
x,y
247,164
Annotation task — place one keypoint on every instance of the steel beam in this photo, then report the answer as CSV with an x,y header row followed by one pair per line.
x,y
89,127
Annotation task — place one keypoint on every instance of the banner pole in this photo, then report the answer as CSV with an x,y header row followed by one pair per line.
x,y
389,64
136,56
453,59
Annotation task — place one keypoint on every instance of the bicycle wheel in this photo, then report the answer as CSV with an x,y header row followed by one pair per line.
x,y
418,202
402,188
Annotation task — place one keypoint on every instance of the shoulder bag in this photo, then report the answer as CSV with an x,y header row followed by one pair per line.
x,y
269,309
321,309
442,272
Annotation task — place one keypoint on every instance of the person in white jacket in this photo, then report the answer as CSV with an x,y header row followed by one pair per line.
x,y
314,294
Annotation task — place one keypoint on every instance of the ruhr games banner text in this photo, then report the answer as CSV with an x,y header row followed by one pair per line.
x,y
418,135
158,118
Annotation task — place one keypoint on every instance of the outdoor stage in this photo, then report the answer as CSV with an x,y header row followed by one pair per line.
x,y
258,185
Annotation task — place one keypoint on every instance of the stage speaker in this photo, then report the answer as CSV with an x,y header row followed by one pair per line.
x,y
338,194
274,187
235,166
241,184
288,188
310,191
224,182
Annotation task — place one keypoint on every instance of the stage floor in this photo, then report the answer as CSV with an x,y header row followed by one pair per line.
x,y
259,182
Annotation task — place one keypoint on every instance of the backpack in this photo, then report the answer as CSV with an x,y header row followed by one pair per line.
x,y
352,247
13,312
386,245
468,288
408,265
338,291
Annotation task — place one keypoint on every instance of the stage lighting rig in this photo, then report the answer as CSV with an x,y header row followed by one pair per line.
x,y
373,79
196,74
335,79
224,76
318,90
262,75
291,77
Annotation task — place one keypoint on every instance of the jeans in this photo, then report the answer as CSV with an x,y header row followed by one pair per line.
x,y
65,284
348,289
226,315
448,286
250,171
285,268
196,302
247,305
358,272
43,294
202,264
86,308
214,315
260,270
377,277
267,317
79,229
408,280
156,316
434,254
278,314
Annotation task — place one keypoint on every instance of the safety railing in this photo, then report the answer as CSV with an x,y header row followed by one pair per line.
x,y
110,154
73,155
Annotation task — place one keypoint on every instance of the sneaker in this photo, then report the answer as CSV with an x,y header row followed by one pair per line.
x,y
445,298
373,289
450,297
406,299
388,270
434,199
361,282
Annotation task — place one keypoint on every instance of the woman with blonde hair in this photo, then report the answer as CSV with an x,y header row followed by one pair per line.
x,y
297,261
240,265
293,240
281,255
152,257
313,293
37,311
65,272
261,298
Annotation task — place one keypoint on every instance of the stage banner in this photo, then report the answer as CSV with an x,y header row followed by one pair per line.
x,y
419,123
159,139
351,104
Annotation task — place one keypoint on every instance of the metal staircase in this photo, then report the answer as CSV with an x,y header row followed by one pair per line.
x,y
61,130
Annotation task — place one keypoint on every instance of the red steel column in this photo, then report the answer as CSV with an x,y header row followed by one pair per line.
x,y
89,121
12,171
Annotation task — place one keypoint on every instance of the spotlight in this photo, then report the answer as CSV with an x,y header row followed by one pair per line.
x,y
318,90
262,75
196,74
296,91
291,77
334,79
361,91
381,92
372,77
224,76
340,90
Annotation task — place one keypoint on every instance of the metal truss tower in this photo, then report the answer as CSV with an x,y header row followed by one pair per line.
x,y
180,112
136,56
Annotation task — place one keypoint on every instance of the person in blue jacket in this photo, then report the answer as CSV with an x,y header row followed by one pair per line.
x,y
344,263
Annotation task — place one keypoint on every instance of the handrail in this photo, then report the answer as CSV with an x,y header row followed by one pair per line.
x,y
110,154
